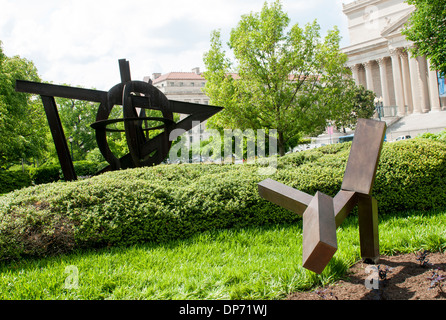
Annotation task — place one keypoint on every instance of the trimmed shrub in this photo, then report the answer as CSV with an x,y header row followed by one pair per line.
x,y
167,202
86,168
13,179
46,173
53,172
441,136
411,176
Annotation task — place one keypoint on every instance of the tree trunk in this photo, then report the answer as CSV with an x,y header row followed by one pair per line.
x,y
281,144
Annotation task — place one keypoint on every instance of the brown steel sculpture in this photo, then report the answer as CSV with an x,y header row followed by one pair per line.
x,y
135,97
322,214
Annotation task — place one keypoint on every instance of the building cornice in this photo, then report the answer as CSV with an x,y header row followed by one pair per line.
x,y
357,5
365,46
397,25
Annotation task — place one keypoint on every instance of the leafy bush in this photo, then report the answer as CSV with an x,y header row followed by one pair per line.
x,y
13,179
175,201
411,176
86,168
53,172
46,173
124,207
441,136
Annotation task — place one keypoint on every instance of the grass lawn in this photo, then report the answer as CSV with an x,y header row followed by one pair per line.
x,y
251,263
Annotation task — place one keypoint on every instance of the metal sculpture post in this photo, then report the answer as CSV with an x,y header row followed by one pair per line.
x,y
135,97
322,214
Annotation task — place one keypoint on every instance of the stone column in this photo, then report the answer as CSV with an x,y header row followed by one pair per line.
x,y
406,81
397,80
355,73
384,84
424,89
368,75
414,79
433,89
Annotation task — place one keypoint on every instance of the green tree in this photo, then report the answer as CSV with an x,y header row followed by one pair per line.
x,y
76,117
23,128
358,102
427,29
282,78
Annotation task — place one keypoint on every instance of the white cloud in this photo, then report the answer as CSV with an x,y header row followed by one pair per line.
x,y
79,42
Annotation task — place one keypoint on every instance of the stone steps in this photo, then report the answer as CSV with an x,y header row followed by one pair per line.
x,y
415,124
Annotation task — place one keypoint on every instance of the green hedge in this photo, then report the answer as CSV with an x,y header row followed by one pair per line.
x,y
411,176
175,201
11,180
53,172
46,173
440,136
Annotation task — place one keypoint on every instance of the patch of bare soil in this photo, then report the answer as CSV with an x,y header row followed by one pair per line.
x,y
400,277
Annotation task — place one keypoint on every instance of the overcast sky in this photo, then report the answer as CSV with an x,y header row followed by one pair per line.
x,y
79,42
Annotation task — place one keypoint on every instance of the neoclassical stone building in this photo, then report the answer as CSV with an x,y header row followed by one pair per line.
x,y
379,58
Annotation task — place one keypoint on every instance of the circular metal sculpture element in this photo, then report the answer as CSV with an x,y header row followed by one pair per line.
x,y
134,95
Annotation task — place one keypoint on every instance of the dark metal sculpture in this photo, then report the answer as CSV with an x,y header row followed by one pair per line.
x,y
135,97
322,214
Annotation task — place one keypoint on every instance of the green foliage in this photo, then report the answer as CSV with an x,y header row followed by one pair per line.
x,y
289,79
358,103
441,136
411,175
23,129
85,168
166,202
46,173
95,155
11,180
53,172
14,179
76,117
426,28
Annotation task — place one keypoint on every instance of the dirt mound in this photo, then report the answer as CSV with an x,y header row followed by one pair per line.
x,y
399,277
